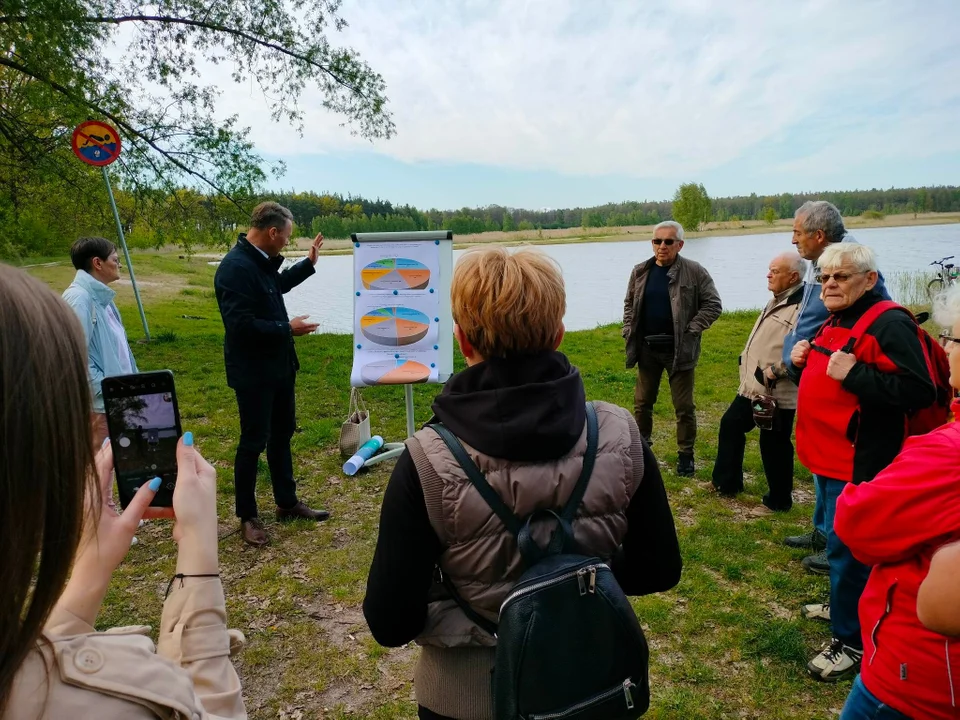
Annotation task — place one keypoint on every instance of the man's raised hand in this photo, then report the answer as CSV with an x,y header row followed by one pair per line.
x,y
315,248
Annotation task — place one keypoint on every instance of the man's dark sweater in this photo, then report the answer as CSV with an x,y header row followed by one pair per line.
x,y
657,314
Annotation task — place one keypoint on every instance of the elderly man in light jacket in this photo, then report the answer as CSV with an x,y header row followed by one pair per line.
x,y
763,372
108,351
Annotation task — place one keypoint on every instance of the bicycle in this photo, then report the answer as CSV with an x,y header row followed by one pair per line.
x,y
948,275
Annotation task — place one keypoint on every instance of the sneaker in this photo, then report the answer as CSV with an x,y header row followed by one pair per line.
x,y
817,564
816,611
685,466
813,540
837,661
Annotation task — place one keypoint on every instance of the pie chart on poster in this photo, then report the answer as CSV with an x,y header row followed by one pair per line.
x,y
394,372
394,326
395,274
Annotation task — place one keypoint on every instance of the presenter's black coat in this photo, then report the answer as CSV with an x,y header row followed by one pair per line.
x,y
258,342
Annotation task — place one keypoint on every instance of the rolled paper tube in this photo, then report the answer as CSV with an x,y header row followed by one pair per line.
x,y
364,453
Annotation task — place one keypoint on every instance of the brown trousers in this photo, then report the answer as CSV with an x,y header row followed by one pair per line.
x,y
650,367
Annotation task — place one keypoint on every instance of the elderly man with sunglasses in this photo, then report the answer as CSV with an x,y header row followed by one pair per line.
x,y
670,301
861,375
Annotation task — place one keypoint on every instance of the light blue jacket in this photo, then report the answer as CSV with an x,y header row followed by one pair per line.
x,y
91,300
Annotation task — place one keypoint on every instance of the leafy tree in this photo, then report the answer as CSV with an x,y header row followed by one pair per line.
x,y
508,223
786,206
55,72
768,215
691,206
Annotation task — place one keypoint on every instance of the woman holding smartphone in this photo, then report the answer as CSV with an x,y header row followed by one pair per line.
x,y
60,543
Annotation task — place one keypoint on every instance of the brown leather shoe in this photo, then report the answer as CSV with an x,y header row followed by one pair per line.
x,y
253,532
300,510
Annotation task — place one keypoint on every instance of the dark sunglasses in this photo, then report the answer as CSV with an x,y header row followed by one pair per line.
x,y
838,276
666,241
944,339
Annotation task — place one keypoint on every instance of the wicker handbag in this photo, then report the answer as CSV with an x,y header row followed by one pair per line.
x,y
355,430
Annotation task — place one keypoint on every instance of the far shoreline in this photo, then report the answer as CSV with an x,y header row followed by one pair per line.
x,y
571,236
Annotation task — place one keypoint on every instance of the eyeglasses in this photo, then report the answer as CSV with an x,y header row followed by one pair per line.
x,y
840,277
946,339
666,241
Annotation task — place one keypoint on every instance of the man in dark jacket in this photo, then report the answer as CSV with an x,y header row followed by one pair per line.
x,y
262,362
670,301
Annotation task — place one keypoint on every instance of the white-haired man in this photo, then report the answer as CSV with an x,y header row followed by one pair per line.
x,y
763,372
670,301
817,224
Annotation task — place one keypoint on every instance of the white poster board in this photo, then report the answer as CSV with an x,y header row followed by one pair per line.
x,y
402,324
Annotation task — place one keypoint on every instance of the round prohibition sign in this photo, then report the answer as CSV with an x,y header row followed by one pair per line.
x,y
96,143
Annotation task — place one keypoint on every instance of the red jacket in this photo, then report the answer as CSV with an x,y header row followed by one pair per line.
x,y
852,430
895,523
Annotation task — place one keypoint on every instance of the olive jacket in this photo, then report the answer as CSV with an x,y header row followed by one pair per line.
x,y
693,299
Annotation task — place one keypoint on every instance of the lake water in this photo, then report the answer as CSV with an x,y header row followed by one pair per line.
x,y
596,274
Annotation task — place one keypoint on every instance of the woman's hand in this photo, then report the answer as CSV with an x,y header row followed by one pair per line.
x,y
107,536
195,506
104,542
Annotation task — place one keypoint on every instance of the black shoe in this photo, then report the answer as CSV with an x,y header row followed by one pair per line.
x,y
685,466
817,564
776,508
813,540
301,511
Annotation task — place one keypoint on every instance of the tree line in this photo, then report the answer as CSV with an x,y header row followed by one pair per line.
x,y
41,223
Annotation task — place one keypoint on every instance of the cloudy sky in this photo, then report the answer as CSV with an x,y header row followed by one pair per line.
x,y
557,103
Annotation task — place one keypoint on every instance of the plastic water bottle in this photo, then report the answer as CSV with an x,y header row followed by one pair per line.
x,y
364,452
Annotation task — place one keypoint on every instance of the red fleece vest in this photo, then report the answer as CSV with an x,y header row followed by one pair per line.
x,y
828,417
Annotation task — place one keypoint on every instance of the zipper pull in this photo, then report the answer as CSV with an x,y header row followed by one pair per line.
x,y
581,582
627,694
593,579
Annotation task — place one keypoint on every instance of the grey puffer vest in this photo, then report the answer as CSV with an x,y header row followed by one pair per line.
x,y
480,555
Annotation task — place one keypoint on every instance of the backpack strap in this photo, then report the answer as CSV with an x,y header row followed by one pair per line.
x,y
520,530
867,319
589,458
490,496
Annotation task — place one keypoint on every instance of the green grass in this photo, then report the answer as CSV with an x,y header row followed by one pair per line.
x,y
727,642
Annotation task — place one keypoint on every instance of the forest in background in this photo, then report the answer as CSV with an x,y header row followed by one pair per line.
x,y
42,222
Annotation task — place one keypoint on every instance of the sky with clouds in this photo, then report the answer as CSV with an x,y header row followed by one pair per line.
x,y
557,103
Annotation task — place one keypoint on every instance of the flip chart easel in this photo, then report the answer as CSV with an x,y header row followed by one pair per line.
x,y
440,287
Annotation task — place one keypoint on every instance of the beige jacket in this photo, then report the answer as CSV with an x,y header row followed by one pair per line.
x,y
78,673
764,348
481,557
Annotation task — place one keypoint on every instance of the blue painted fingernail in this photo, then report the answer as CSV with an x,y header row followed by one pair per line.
x,y
106,441
154,484
188,438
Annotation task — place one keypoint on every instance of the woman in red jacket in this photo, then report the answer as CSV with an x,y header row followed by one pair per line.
x,y
896,523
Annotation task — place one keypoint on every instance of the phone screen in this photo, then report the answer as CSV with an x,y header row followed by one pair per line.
x,y
144,424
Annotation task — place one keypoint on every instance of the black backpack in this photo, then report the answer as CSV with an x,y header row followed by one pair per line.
x,y
569,646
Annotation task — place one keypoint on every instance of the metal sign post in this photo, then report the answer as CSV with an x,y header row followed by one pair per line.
x,y
126,253
97,143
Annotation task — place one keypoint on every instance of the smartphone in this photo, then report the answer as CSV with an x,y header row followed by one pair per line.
x,y
143,421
